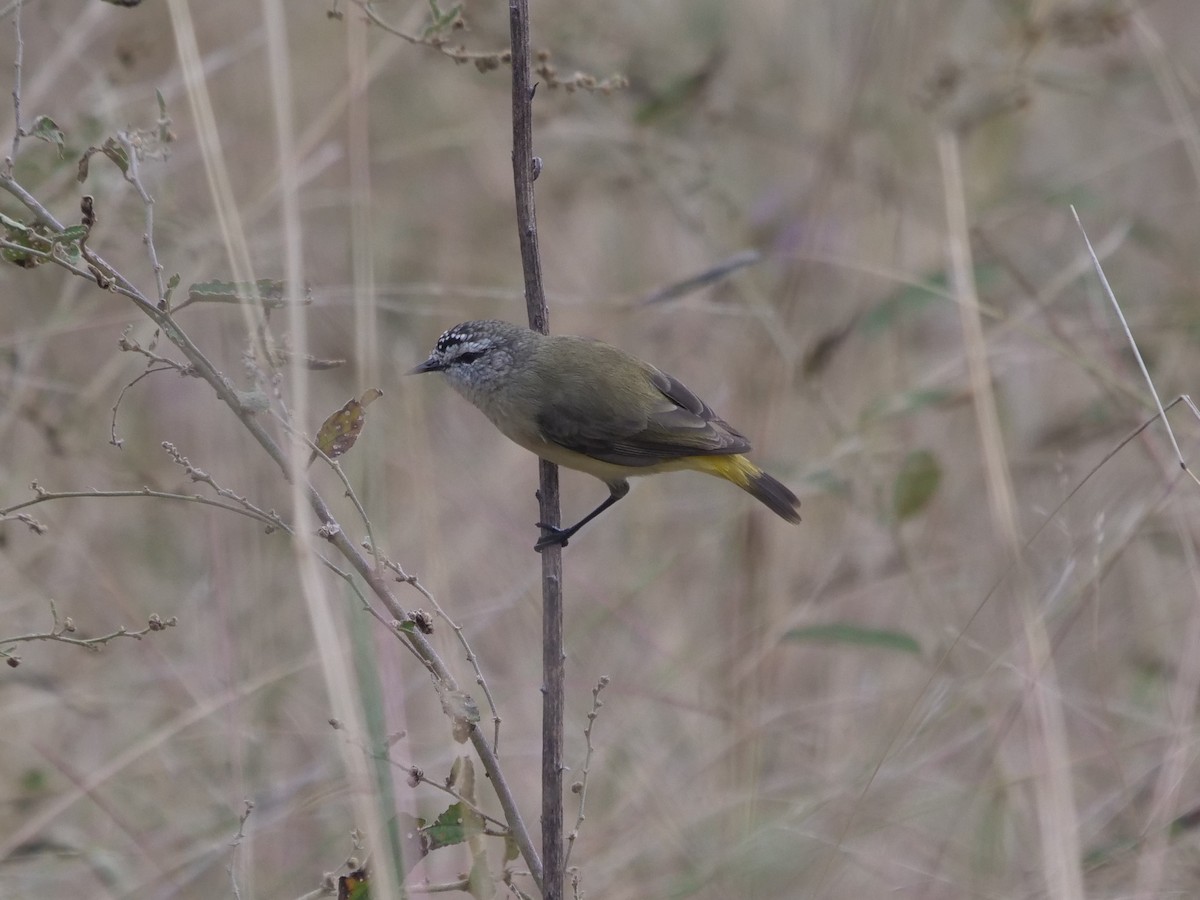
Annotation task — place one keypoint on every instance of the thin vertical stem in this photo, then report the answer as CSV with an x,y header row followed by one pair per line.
x,y
525,170
16,91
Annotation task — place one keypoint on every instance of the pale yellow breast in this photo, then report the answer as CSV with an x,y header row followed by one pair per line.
x,y
605,471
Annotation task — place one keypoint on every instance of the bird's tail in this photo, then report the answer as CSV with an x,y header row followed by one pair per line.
x,y
754,481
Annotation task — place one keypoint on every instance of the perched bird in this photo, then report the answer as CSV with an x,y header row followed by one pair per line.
x,y
588,406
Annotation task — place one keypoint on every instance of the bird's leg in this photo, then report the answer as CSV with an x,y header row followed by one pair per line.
x,y
560,536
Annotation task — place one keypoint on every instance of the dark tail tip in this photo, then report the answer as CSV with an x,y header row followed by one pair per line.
x,y
775,495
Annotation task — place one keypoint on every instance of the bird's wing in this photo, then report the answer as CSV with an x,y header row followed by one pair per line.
x,y
671,423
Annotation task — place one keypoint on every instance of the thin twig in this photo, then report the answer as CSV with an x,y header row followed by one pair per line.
x,y
285,422
1054,803
416,776
12,7
480,680
580,787
271,520
525,169
1112,298
133,174
16,91
152,370
489,60
203,477
236,843
483,60
329,528
62,627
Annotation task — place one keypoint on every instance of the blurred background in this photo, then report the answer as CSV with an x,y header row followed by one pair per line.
x,y
971,671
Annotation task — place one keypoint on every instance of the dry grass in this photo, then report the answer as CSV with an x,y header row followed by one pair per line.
x,y
1042,743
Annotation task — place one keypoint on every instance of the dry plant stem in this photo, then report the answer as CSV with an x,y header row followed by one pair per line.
x,y
351,494
199,475
415,582
553,669
358,507
466,645
16,92
1068,276
152,370
437,667
13,7
1112,298
416,775
940,665
331,529
455,52
587,763
1054,798
235,844
134,176
61,628
1183,398
271,520
1152,864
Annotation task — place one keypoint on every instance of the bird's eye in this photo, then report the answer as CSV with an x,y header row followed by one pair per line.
x,y
469,356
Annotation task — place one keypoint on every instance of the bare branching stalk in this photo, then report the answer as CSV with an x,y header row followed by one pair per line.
x,y
403,576
247,408
63,630
241,506
438,36
525,170
16,91
235,844
579,788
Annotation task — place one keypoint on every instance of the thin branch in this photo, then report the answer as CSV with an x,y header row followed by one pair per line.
x,y
416,776
237,843
1112,298
133,174
43,215
247,412
204,478
421,645
580,787
482,59
271,520
13,6
16,91
62,628
129,345
435,38
525,169
152,370
480,680
318,453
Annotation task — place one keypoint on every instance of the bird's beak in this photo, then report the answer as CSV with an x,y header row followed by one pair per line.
x,y
430,365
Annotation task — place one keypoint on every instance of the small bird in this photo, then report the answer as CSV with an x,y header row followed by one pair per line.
x,y
583,404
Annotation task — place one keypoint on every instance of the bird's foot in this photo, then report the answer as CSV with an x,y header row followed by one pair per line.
x,y
554,535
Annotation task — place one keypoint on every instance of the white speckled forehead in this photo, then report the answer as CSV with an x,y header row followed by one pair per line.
x,y
462,341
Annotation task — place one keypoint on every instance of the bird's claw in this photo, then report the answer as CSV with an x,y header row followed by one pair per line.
x,y
556,536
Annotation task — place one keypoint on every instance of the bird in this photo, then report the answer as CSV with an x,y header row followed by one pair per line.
x,y
589,406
